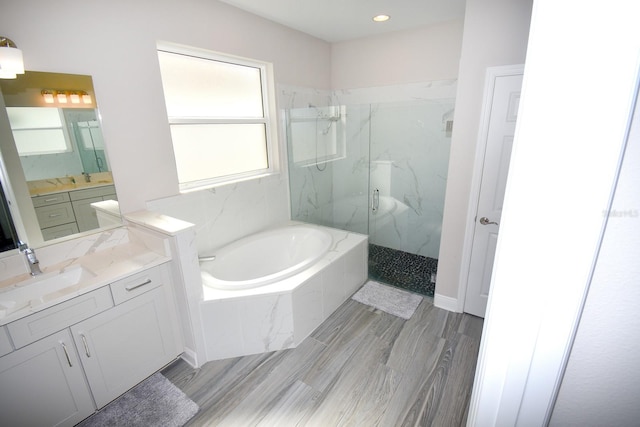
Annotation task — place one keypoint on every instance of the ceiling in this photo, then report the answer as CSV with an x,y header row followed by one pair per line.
x,y
340,20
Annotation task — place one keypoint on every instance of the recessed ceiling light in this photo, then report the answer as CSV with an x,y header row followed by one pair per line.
x,y
381,18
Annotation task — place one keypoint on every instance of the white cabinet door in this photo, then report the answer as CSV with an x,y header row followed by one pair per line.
x,y
86,216
42,384
121,347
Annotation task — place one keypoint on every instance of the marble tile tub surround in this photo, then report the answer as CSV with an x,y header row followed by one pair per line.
x,y
281,315
228,212
376,151
110,255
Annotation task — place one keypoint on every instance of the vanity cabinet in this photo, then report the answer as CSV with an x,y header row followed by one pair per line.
x,y
104,343
81,200
55,215
125,345
43,384
69,212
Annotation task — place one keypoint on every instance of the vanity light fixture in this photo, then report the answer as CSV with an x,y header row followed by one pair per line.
x,y
381,18
11,62
63,96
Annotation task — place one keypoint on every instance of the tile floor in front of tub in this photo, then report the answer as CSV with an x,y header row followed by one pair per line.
x,y
402,269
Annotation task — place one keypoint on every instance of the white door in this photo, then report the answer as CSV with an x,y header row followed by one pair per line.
x,y
499,122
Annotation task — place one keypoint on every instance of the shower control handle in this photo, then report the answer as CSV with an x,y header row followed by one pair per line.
x,y
485,221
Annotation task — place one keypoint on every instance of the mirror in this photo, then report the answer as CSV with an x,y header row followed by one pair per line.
x,y
55,173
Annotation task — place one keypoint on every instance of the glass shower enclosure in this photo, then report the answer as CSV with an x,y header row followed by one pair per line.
x,y
378,169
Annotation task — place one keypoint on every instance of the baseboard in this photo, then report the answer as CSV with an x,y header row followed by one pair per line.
x,y
446,303
190,357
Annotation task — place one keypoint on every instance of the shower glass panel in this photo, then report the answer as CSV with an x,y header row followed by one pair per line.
x,y
378,169
328,150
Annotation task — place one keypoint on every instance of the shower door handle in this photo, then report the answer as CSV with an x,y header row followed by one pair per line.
x,y
375,200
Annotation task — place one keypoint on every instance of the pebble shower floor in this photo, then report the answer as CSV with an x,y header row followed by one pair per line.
x,y
402,269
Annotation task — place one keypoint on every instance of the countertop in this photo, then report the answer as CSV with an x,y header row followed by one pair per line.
x,y
107,266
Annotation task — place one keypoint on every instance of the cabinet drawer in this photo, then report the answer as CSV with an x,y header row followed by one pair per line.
x,y
5,342
88,193
50,199
49,216
38,325
60,231
137,284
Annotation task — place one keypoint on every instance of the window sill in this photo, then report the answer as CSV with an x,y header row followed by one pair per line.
x,y
214,185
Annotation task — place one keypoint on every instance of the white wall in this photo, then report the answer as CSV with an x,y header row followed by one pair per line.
x,y
412,56
574,112
495,33
115,42
601,385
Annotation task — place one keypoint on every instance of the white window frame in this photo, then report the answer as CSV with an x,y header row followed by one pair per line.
x,y
269,119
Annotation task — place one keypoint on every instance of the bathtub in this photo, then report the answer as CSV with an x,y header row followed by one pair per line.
x,y
265,257
318,269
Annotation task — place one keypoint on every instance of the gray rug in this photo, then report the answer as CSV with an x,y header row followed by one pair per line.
x,y
388,299
153,402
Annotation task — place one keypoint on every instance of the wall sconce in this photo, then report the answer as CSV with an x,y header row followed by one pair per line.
x,y
50,96
11,62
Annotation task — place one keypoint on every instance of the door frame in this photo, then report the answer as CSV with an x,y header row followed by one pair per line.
x,y
492,73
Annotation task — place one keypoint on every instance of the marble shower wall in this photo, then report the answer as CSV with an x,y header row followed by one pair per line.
x,y
395,139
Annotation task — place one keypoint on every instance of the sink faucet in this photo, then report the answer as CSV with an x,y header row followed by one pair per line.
x,y
87,177
34,264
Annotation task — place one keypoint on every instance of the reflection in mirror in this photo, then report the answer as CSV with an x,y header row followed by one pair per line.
x,y
53,157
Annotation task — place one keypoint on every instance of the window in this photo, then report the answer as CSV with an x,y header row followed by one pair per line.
x,y
219,114
38,130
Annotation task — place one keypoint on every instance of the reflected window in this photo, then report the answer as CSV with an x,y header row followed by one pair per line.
x,y
218,114
38,130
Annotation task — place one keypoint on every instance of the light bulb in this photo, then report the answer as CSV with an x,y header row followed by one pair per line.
x,y
48,96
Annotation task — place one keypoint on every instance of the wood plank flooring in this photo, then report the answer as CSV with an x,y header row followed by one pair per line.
x,y
361,367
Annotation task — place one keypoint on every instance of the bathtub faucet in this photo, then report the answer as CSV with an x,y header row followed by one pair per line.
x,y
206,258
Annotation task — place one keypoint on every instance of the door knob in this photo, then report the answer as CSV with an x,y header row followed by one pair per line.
x,y
485,221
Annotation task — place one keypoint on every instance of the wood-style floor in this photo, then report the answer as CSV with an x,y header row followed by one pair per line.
x,y
361,367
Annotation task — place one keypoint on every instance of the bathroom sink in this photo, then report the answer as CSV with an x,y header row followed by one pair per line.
x,y
37,290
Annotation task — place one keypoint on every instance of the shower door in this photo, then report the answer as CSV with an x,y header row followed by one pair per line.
x,y
376,169
409,153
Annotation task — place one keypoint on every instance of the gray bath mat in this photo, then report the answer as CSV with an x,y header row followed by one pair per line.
x,y
391,300
153,402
